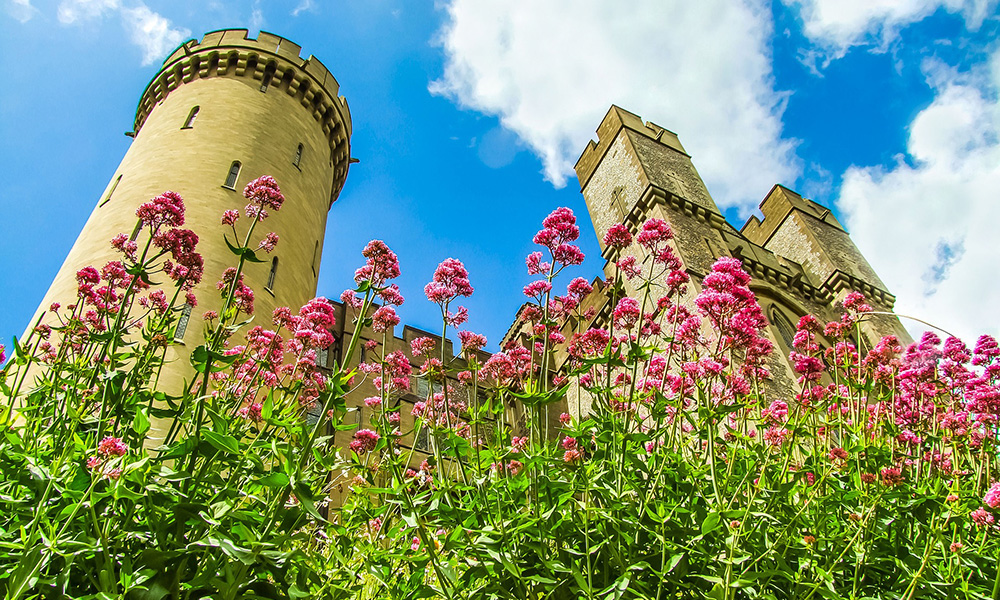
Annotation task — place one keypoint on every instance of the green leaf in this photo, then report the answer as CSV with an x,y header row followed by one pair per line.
x,y
711,523
222,443
268,407
140,424
234,249
276,479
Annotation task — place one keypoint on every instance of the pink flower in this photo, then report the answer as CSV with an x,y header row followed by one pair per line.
x,y
415,544
992,497
450,281
891,476
514,467
572,456
381,264
629,267
564,418
471,341
269,242
365,441
123,244
535,264
579,288
569,443
981,518
384,319
230,216
458,317
536,289
373,401
627,313
390,295
654,233
112,446
618,236
165,209
955,546
855,301
838,454
777,412
421,346
263,193
351,299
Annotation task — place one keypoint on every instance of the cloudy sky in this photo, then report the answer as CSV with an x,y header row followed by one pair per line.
x,y
469,115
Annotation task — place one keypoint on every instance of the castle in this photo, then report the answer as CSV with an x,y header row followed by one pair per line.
x,y
227,108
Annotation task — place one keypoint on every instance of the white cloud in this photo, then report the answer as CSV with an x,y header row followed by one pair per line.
x,y
152,32
20,10
836,25
928,224
304,5
256,17
550,70
71,11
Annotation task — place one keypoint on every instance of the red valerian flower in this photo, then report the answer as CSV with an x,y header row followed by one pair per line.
x,y
263,193
165,209
618,236
365,441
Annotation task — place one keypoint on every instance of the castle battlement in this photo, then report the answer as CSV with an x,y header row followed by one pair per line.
x,y
616,119
268,61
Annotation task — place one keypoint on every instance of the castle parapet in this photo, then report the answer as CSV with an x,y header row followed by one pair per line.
x,y
607,131
265,62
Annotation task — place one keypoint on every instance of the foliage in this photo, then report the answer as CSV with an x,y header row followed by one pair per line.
x,y
681,467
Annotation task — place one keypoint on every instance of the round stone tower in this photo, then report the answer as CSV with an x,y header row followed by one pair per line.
x,y
221,112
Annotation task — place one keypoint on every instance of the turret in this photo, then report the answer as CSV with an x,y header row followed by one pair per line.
x,y
221,112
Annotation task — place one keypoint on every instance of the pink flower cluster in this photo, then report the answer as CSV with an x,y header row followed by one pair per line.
x,y
558,230
381,264
165,209
618,236
365,441
384,319
450,281
263,193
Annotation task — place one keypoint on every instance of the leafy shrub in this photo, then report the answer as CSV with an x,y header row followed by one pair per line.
x,y
690,475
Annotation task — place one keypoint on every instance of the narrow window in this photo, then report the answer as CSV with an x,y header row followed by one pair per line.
x,y
266,81
182,323
422,442
135,232
112,191
315,255
234,172
272,274
298,156
361,416
785,328
322,357
189,123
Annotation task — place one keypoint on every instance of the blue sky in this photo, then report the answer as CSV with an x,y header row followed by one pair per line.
x,y
469,114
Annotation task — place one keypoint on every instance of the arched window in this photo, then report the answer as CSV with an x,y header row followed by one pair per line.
x,y
189,123
272,274
298,156
315,256
785,328
182,323
112,191
234,173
